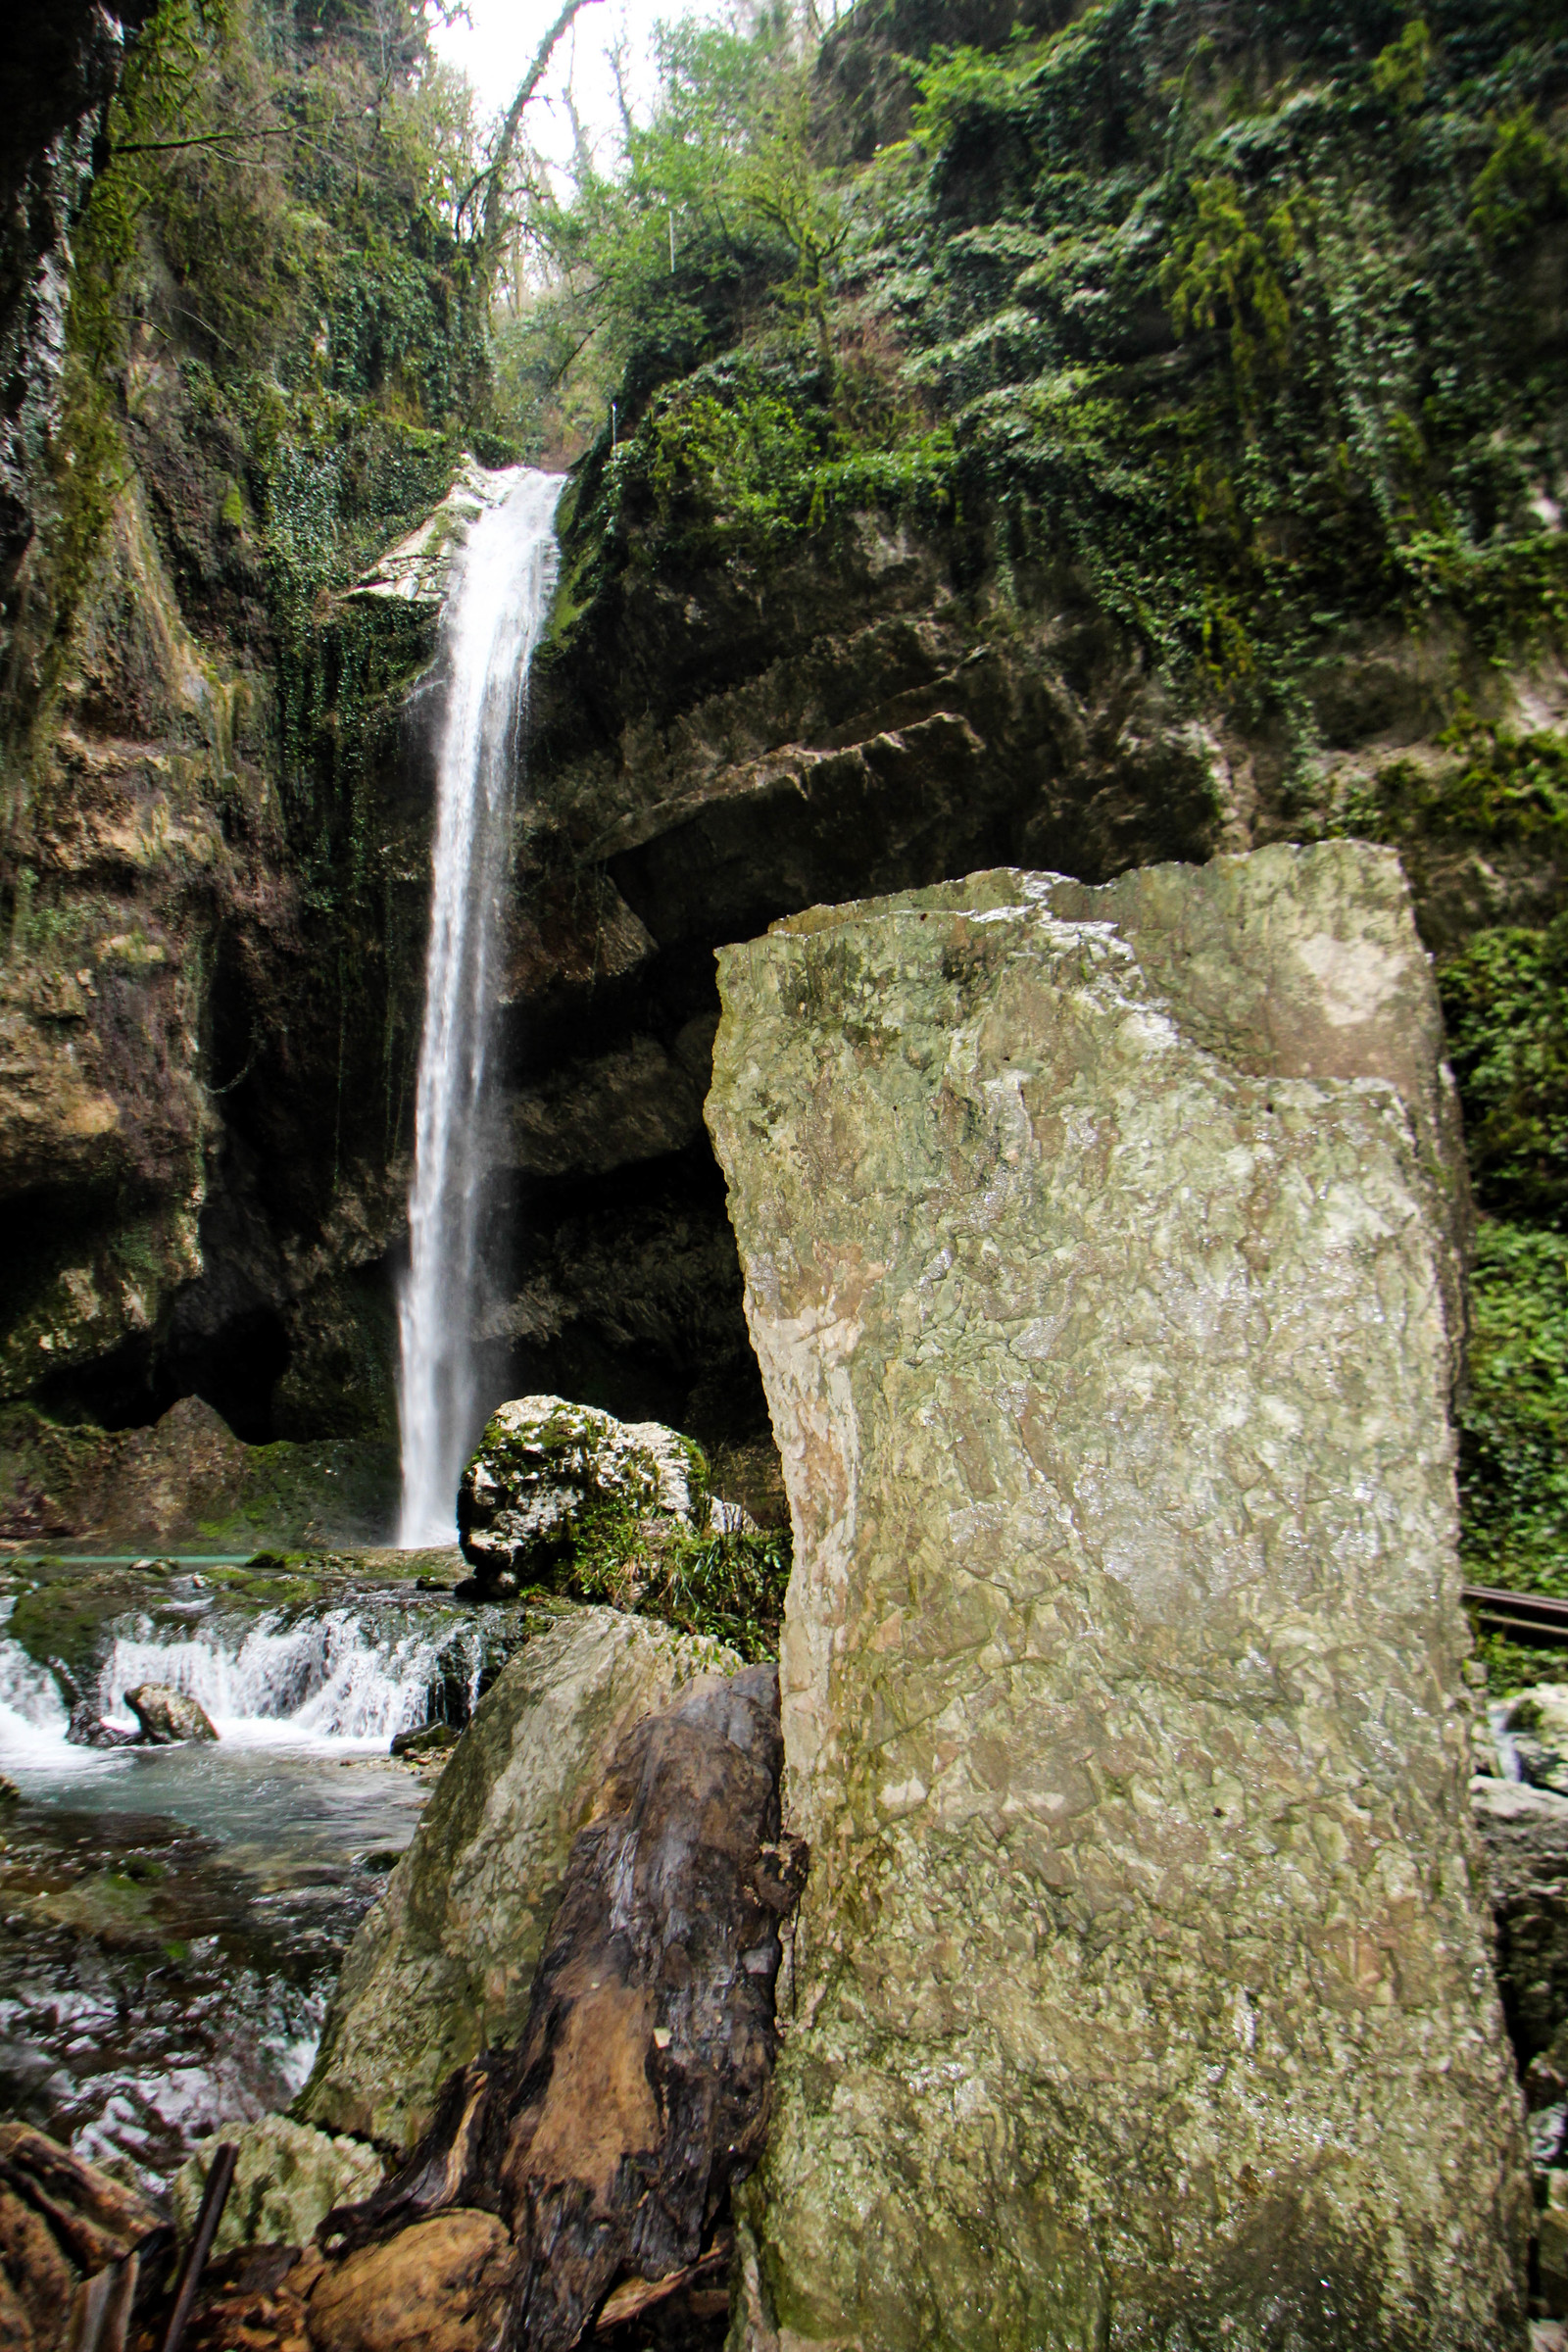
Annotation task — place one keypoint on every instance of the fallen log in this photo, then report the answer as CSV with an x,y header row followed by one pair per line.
x,y
79,2251
608,2140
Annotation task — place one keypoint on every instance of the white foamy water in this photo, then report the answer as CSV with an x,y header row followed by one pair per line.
x,y
493,619
329,1677
32,1716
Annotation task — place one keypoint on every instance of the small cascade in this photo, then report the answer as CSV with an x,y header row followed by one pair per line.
x,y
357,1674
332,1676
32,1714
493,620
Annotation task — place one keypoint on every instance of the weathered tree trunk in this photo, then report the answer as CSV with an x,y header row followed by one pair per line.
x,y
75,2248
607,2141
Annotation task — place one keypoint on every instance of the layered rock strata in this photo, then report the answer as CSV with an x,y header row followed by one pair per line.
x,y
1102,1254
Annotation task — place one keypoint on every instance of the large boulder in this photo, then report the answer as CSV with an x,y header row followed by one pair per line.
x,y
443,1965
1101,1260
548,1477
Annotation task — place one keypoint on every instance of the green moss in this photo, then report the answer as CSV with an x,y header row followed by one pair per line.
x,y
1505,1001
730,1587
1225,269
1514,1418
1516,1665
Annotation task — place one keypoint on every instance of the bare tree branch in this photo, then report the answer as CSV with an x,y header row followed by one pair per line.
x,y
500,162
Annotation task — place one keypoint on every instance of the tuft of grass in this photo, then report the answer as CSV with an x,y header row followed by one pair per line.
x,y
729,1586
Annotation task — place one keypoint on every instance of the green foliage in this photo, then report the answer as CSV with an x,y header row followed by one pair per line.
x,y
719,220
729,1586
1517,1665
1504,786
1232,344
1523,181
1506,1000
755,454
1400,72
1514,1420
1223,268
1223,337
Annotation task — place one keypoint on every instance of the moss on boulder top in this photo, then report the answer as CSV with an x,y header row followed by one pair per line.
x,y
549,1476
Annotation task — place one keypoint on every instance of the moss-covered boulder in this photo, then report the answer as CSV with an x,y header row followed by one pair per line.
x,y
556,1482
1100,1249
444,1965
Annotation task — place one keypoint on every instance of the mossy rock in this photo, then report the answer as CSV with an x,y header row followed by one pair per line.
x,y
552,1479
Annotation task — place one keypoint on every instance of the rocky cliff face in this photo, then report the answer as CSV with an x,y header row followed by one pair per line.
x,y
1100,1259
1059,556
214,826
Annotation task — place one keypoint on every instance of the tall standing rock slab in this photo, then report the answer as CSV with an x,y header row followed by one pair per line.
x,y
1101,1251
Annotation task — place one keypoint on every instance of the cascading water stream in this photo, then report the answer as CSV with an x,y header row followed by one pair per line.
x,y
305,1680
172,1919
493,619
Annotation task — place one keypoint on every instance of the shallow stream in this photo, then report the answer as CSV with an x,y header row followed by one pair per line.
x,y
172,1920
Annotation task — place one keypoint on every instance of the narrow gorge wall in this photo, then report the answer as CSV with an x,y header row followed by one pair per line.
x,y
1101,1252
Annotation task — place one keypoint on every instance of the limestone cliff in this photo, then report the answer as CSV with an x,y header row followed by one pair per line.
x,y
1170,461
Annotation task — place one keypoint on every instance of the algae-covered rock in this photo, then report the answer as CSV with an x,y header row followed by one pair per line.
x,y
443,1966
287,2179
545,1469
1100,1250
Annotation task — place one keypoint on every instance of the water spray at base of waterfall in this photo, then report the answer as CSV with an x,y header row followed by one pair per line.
x,y
493,620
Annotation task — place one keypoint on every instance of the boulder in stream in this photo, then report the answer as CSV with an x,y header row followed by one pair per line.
x,y
88,1729
443,1965
166,1716
548,1472
1103,1258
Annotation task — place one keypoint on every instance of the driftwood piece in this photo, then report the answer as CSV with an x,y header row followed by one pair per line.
x,y
254,2300
220,2180
77,2248
607,2141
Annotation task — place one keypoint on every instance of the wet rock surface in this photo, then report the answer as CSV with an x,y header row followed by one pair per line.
x,y
444,1965
1526,1836
153,1987
168,1716
607,2137
1101,1262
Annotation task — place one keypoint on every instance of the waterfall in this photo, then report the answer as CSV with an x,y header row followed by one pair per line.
x,y
493,618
